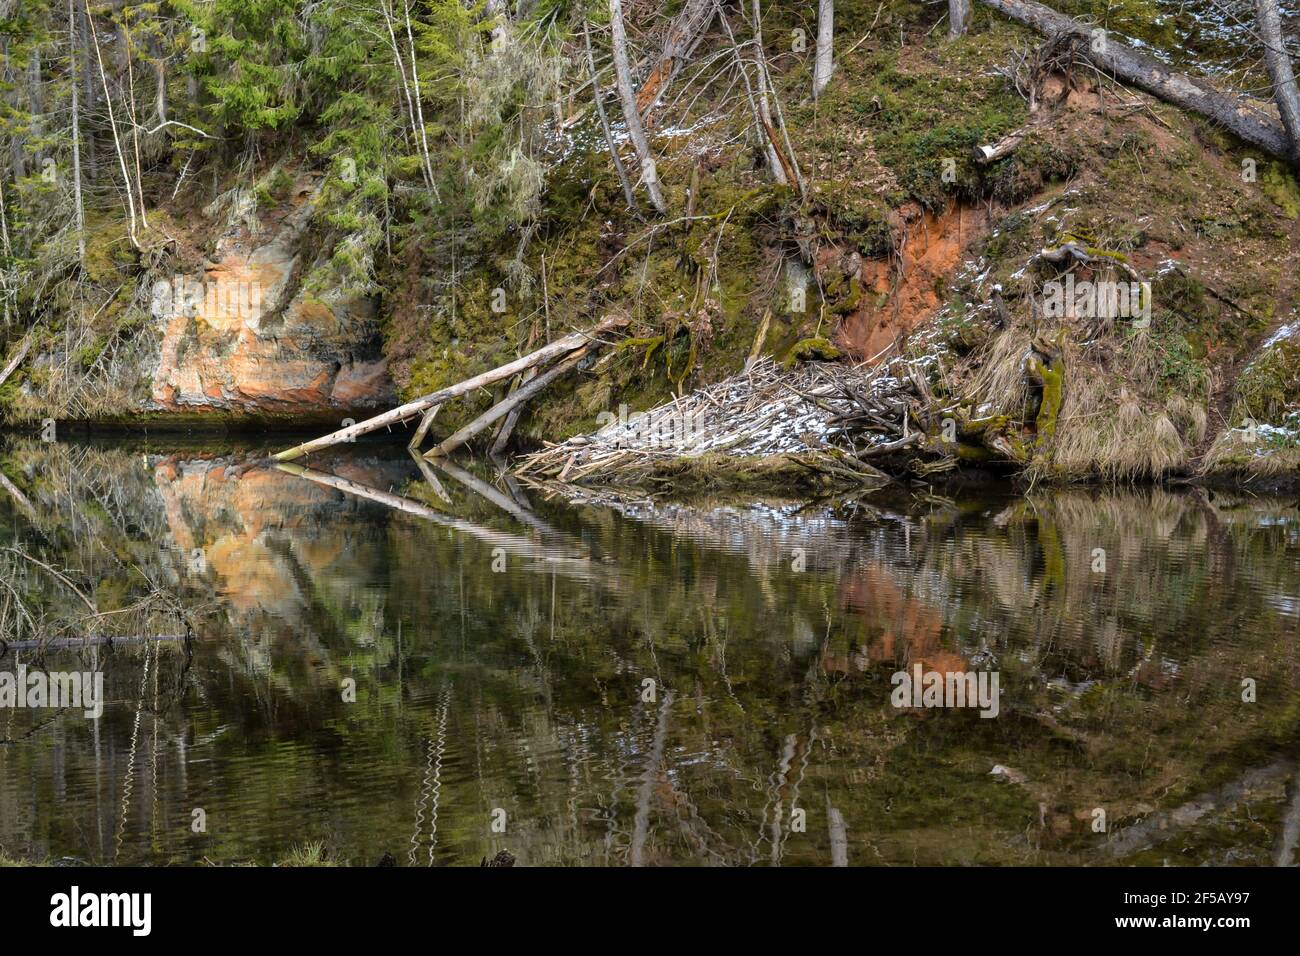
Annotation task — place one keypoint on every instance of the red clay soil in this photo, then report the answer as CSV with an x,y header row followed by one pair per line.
x,y
904,291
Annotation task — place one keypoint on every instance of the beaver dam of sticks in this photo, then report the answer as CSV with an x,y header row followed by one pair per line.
x,y
825,422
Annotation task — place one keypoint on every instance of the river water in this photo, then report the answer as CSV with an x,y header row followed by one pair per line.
x,y
437,670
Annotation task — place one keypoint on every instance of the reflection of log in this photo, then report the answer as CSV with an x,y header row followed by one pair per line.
x,y
509,403
511,543
1289,838
1237,113
1159,827
649,779
839,832
17,495
96,640
483,489
398,415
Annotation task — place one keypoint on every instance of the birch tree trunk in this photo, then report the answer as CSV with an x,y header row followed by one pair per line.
x,y
635,132
764,107
112,123
604,124
825,63
73,54
958,17
1280,72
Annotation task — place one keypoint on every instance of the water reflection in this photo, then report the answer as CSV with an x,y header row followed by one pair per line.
x,y
628,684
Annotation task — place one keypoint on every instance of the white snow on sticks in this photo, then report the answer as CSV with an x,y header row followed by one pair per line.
x,y
765,410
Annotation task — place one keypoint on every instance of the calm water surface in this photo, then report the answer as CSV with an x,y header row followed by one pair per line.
x,y
501,648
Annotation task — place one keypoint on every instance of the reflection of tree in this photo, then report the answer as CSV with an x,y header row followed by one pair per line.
x,y
1120,689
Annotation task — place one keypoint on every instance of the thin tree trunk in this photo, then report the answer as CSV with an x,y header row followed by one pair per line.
x,y
825,63
419,108
5,252
35,107
135,127
86,69
73,53
160,80
628,194
775,161
112,124
958,17
1234,112
635,132
406,91
1279,70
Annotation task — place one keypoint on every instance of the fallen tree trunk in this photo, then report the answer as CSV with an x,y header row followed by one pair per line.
x,y
417,407
1235,112
508,404
1003,147
17,360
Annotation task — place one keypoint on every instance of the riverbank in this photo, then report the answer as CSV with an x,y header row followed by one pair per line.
x,y
903,256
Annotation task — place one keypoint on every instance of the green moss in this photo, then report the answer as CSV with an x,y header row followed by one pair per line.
x,y
1053,395
1270,386
809,349
1279,184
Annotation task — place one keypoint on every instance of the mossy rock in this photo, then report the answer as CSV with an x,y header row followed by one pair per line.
x,y
813,349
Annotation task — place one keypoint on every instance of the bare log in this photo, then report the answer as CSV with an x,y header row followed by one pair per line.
x,y
17,360
418,406
1003,147
1236,112
508,404
425,424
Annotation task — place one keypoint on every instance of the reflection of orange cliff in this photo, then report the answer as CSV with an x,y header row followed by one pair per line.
x,y
900,628
245,521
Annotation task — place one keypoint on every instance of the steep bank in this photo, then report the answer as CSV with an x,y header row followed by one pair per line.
x,y
903,248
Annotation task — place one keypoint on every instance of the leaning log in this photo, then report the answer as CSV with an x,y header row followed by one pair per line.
x,y
1237,113
502,408
419,406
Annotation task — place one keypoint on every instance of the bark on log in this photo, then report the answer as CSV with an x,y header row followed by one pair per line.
x,y
1003,147
418,406
1235,112
508,404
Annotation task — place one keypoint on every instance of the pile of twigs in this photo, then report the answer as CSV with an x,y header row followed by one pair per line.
x,y
848,422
